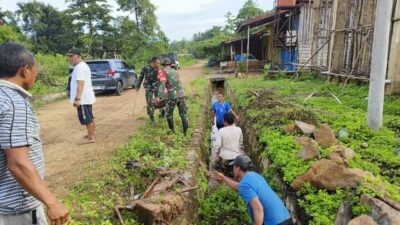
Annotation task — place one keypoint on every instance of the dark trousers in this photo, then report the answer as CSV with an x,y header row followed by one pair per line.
x,y
219,126
287,222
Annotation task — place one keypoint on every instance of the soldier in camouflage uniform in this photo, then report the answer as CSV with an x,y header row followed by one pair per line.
x,y
149,75
171,88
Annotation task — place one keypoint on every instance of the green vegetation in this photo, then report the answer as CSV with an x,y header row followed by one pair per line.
x,y
52,74
87,25
224,207
187,60
208,43
92,200
281,102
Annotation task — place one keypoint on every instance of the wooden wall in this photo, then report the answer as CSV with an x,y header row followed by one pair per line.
x,y
315,22
394,55
305,36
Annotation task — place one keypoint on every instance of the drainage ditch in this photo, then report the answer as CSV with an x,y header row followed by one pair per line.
x,y
199,199
254,150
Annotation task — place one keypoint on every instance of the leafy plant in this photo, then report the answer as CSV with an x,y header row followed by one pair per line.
x,y
376,151
223,207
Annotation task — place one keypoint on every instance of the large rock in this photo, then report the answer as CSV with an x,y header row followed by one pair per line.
x,y
290,129
337,157
305,128
325,136
382,212
310,148
341,155
344,214
361,173
159,207
349,153
362,220
326,174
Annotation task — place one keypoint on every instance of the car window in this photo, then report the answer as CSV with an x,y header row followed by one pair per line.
x,y
125,65
119,66
99,66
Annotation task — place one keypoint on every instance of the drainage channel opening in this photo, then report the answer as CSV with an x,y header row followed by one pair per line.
x,y
218,85
219,204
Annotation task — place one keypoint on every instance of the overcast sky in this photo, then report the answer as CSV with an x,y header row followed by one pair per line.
x,y
178,18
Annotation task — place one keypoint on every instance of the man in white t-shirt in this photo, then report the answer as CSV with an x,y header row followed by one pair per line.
x,y
82,95
229,142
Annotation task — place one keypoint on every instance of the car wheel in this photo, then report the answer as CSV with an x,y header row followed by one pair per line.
x,y
120,88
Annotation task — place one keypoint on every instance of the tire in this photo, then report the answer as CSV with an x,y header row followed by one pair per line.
x,y
120,89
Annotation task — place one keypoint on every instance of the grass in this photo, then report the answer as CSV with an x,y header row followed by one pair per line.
x,y
92,200
52,74
376,151
186,61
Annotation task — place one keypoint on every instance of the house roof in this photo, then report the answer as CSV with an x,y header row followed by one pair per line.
x,y
264,19
257,33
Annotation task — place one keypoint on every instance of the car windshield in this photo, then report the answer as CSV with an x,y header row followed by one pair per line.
x,y
100,67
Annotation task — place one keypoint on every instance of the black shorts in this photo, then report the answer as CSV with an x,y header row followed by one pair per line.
x,y
85,114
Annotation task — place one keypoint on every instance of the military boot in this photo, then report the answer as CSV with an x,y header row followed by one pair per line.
x,y
185,125
152,120
162,113
171,124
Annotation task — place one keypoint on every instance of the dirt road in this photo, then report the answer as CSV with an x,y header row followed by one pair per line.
x,y
66,161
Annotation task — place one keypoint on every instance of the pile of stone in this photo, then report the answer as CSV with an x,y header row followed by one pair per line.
x,y
334,172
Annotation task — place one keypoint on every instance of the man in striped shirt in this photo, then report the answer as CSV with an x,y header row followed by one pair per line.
x,y
22,189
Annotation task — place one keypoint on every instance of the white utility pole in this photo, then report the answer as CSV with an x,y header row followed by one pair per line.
x,y
248,50
380,53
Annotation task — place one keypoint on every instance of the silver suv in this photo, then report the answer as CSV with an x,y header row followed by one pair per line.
x,y
110,75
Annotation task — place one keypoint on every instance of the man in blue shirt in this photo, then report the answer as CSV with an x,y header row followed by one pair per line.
x,y
219,109
264,206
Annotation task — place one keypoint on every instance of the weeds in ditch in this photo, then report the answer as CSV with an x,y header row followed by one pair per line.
x,y
223,207
280,102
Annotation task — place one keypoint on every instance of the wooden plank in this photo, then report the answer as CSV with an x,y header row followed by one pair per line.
x,y
338,38
394,57
316,20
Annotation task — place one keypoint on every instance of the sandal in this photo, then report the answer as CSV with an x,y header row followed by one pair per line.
x,y
86,142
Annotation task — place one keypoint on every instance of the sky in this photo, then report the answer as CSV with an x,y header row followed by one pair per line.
x,y
178,18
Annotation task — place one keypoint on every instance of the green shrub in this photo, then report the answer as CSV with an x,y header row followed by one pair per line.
x,y
223,207
52,74
187,60
376,151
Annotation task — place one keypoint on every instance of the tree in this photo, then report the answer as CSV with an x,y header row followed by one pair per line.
x,y
249,11
49,29
145,17
230,26
179,46
142,38
93,20
208,43
2,17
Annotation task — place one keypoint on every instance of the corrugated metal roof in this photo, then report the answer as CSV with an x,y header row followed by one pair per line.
x,y
259,20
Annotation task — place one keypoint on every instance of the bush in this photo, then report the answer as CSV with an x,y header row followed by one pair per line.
x,y
52,74
187,60
223,207
376,151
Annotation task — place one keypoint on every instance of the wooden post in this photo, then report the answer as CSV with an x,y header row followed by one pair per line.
x,y
315,40
232,54
337,41
241,46
394,65
248,50
380,52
